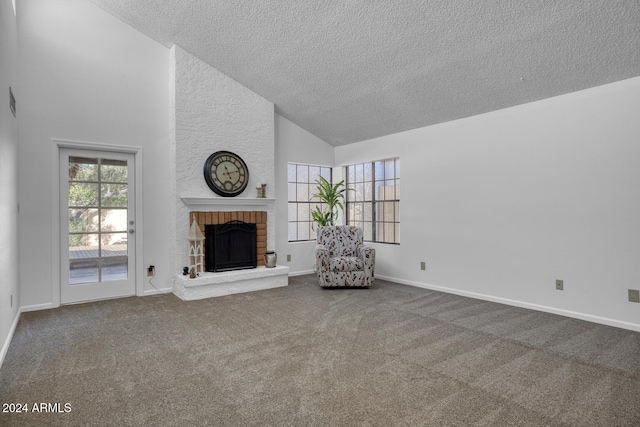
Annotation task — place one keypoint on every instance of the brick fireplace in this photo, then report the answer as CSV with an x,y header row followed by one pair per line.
x,y
251,217
221,210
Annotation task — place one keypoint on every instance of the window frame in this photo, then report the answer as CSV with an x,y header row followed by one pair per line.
x,y
370,205
296,198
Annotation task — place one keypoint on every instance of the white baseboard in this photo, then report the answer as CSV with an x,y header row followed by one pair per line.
x,y
161,291
301,273
522,304
37,307
7,342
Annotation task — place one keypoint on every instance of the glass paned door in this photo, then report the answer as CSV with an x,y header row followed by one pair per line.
x,y
98,225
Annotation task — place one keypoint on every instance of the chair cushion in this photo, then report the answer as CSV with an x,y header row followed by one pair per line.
x,y
346,263
340,240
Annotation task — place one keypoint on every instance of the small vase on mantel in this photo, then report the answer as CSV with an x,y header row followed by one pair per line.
x,y
270,259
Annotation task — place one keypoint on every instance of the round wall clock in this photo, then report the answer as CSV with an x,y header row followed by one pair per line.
x,y
226,173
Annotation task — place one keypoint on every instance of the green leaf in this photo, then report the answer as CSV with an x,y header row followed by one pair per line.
x,y
332,196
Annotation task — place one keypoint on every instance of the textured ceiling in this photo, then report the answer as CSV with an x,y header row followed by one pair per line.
x,y
352,70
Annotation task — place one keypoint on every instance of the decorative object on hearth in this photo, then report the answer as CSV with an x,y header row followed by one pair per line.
x,y
185,271
226,173
270,259
196,247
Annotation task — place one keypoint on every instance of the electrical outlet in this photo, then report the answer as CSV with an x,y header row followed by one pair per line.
x,y
560,285
634,295
151,271
288,258
423,265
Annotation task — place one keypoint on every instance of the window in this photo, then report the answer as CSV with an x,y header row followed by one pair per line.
x,y
374,204
301,182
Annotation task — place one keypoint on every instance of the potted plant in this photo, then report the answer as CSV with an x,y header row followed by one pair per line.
x,y
332,197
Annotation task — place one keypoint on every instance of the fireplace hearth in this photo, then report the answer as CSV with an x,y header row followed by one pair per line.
x,y
230,246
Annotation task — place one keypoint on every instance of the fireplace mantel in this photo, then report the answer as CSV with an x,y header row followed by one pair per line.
x,y
243,202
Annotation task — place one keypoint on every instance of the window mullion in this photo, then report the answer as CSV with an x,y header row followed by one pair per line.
x,y
99,220
374,228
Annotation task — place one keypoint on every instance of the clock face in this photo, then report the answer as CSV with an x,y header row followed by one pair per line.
x,y
226,173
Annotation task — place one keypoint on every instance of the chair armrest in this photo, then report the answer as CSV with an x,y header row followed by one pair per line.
x,y
322,266
368,255
363,250
322,258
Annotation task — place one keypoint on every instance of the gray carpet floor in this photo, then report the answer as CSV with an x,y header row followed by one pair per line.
x,y
392,355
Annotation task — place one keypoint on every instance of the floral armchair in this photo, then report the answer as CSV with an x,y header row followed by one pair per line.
x,y
341,258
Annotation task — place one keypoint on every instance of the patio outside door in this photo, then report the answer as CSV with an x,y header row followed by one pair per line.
x,y
97,250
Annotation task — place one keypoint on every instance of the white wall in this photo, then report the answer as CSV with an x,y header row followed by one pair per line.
x,y
502,204
9,291
212,112
86,76
295,145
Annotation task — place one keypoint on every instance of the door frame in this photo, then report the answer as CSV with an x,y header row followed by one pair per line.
x,y
59,144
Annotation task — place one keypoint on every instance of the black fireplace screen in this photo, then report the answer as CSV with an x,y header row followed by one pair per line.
x,y
230,246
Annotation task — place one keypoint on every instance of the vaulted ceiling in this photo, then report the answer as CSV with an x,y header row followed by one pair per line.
x,y
352,70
